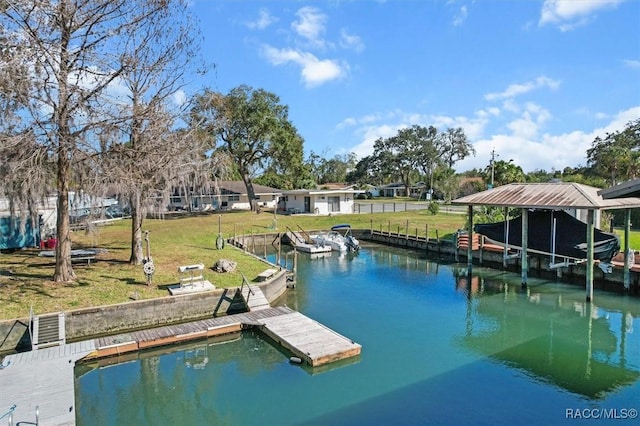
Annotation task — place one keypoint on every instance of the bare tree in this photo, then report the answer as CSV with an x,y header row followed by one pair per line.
x,y
24,167
149,155
74,49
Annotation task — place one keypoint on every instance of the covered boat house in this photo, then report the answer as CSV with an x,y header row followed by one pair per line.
x,y
562,196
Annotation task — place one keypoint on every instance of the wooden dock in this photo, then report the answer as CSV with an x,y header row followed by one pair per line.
x,y
303,337
44,378
41,380
309,340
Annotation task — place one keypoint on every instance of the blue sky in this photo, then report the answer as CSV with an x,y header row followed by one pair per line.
x,y
536,80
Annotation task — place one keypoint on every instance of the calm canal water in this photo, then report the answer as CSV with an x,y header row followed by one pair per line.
x,y
437,348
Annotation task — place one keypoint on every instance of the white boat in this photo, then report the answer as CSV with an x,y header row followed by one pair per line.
x,y
336,240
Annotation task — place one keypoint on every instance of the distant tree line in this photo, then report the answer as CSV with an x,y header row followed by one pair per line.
x,y
88,104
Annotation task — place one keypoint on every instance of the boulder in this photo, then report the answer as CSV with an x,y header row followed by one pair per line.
x,y
224,265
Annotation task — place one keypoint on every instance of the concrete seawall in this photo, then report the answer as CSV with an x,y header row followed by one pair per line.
x,y
82,324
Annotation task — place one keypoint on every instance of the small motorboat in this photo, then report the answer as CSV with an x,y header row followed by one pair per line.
x,y
336,240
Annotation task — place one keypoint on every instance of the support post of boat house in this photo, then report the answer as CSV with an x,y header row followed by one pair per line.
x,y
524,260
627,255
470,245
590,263
557,196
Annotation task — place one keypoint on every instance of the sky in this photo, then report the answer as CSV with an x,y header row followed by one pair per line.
x,y
533,81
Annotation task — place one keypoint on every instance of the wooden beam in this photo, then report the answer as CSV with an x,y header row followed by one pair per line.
x,y
470,245
524,261
589,272
627,259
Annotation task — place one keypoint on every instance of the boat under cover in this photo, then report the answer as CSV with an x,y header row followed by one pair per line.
x,y
570,235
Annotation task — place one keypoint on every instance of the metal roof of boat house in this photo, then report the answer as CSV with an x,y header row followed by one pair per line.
x,y
560,195
630,188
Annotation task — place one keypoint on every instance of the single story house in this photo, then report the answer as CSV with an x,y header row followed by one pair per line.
x,y
392,190
229,195
318,201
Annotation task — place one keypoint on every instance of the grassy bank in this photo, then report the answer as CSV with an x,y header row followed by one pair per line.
x,y
175,240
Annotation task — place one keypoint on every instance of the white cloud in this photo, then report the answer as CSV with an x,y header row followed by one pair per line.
x,y
369,135
310,25
517,134
632,63
351,41
532,151
521,88
264,20
461,16
314,71
179,97
370,127
569,14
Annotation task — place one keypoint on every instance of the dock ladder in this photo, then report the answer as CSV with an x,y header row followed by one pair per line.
x,y
47,330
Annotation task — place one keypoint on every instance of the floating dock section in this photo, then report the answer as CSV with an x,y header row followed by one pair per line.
x,y
309,340
37,387
305,338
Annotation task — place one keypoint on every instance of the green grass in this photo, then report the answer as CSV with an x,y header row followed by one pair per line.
x,y
634,238
25,277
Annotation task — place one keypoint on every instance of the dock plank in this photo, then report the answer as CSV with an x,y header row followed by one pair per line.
x,y
308,339
44,378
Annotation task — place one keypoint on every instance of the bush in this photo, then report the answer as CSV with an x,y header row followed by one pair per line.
x,y
434,208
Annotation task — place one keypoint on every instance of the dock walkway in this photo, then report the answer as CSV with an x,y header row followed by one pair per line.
x,y
44,378
41,381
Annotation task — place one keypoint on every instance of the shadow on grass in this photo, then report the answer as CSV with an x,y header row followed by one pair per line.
x,y
28,287
128,281
25,276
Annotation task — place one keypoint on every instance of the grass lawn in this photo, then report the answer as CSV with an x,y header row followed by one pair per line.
x,y
25,277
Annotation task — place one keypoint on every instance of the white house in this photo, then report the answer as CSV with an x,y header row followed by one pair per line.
x,y
231,195
318,201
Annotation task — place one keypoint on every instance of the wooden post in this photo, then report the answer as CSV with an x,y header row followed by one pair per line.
x,y
456,249
627,260
505,250
590,231
279,262
295,262
470,244
371,226
389,228
407,231
524,262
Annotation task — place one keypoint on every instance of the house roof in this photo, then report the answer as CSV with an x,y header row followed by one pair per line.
x,y
630,188
560,195
335,185
238,187
322,191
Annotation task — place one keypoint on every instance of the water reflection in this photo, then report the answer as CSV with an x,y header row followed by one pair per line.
x,y
554,335
438,346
